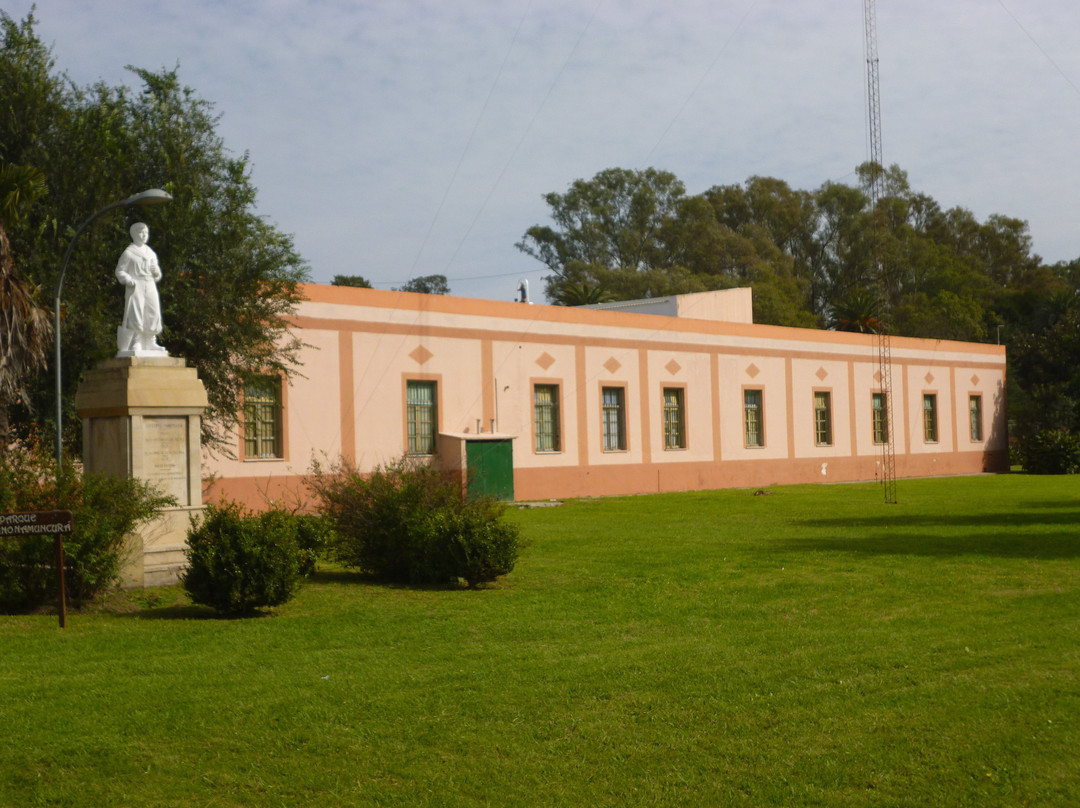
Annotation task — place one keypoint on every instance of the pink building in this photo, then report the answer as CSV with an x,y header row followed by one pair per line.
x,y
659,395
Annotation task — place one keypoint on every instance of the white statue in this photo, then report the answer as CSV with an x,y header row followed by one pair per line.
x,y
139,271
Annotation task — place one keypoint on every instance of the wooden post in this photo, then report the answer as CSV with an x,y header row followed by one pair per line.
x,y
61,587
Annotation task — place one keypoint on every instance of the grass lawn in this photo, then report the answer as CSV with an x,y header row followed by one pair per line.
x,y
815,646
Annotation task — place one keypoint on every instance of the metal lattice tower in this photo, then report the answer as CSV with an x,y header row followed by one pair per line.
x,y
877,191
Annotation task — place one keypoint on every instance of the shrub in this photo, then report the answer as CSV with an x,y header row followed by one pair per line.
x,y
240,562
313,534
1051,451
410,522
105,509
479,544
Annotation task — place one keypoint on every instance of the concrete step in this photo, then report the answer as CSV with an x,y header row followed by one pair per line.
x,y
163,564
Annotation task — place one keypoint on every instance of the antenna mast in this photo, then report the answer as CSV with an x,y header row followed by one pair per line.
x,y
877,191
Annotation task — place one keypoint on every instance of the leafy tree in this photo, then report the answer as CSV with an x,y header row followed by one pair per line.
x,y
1046,368
357,281
844,251
767,210
944,315
1068,274
806,254
230,280
427,285
609,232
32,92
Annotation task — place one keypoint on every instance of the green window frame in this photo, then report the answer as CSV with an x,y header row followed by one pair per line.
x,y
880,408
674,418
975,417
546,418
754,417
930,417
613,415
421,416
822,418
263,419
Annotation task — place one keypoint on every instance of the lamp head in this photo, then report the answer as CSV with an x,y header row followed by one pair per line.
x,y
155,196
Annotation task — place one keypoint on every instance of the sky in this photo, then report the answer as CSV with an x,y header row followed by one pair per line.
x,y
398,138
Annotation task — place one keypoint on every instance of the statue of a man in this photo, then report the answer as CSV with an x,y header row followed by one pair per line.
x,y
139,271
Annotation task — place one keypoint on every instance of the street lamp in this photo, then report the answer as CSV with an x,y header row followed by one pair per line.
x,y
155,196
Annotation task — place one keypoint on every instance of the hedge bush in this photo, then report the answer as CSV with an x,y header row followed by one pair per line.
x,y
105,510
240,562
410,522
1051,451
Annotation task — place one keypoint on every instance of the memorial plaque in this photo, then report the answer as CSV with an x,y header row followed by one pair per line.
x,y
165,455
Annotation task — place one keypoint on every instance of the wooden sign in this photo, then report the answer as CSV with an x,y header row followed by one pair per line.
x,y
36,523
43,523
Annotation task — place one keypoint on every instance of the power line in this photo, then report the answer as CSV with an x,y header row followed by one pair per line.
x,y
472,136
521,140
700,81
1040,48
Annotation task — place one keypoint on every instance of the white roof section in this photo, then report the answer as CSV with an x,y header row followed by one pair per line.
x,y
721,305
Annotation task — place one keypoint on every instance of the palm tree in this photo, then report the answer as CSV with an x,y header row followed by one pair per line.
x,y
859,312
25,327
583,293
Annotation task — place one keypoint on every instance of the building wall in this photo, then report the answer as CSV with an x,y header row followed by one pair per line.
x,y
486,357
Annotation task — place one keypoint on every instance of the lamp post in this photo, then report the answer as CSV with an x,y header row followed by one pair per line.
x,y
155,196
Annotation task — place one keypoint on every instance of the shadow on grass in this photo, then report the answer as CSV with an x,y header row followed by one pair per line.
x,y
178,612
362,578
339,577
1051,504
1044,536
174,610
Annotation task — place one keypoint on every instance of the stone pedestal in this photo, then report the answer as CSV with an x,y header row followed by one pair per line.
x,y
142,417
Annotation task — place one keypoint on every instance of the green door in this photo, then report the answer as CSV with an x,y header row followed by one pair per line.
x,y
490,466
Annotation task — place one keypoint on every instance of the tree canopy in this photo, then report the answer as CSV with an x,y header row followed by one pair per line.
x,y
230,278
806,253
427,284
356,281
